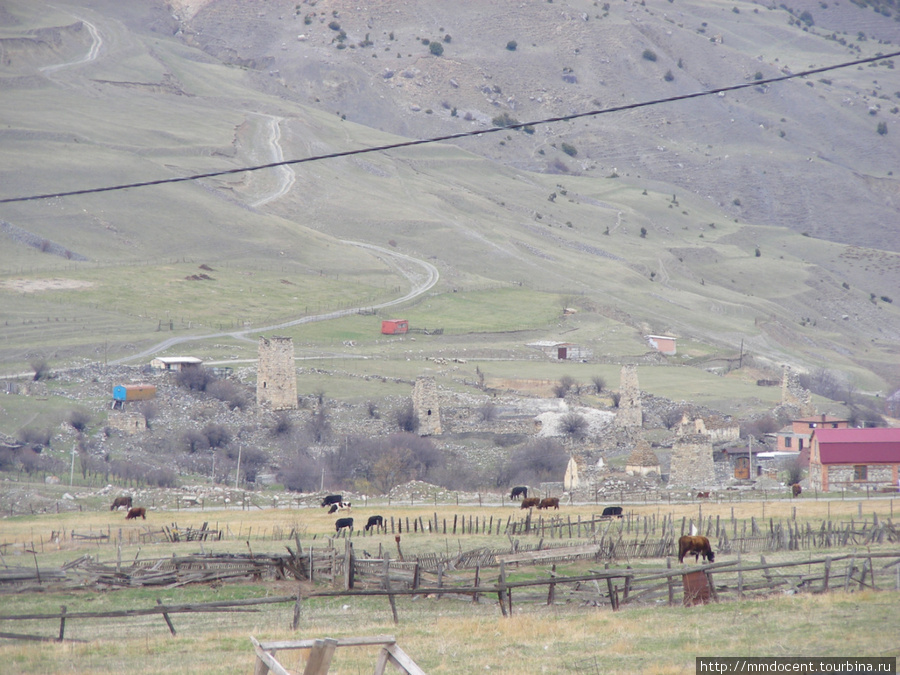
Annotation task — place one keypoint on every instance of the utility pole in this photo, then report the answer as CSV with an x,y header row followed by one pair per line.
x,y
237,473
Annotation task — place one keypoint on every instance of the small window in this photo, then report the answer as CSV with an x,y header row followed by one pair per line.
x,y
860,472
800,443
787,441
834,425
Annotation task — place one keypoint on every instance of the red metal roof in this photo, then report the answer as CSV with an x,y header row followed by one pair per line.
x,y
858,446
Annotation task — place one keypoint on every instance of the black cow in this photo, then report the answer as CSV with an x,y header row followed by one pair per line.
x,y
518,492
342,523
612,511
332,499
374,521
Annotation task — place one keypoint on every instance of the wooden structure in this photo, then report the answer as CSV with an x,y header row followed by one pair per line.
x,y
175,363
133,392
321,652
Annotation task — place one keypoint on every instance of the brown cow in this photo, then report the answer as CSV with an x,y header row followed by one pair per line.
x,y
697,545
702,495
135,512
549,502
796,490
120,501
530,503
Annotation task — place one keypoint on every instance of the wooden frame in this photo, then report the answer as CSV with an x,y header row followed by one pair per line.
x,y
321,652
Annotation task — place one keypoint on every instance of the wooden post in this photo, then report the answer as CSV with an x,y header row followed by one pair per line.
x,y
348,565
387,587
827,572
551,592
501,588
669,583
166,617
613,596
320,657
477,582
295,624
62,623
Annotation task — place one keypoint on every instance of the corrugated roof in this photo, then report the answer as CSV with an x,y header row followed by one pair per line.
x,y
858,446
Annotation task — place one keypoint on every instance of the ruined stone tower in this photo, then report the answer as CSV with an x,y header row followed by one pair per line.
x,y
793,394
692,463
276,377
426,405
629,413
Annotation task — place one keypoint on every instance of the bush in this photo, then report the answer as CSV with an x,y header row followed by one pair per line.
x,y
504,120
539,460
668,77
565,385
573,425
436,48
570,150
512,45
882,128
487,412
334,25
41,369
217,435
407,420
195,378
649,55
599,383
36,439
319,426
79,420
230,393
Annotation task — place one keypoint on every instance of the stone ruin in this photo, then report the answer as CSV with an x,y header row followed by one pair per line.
x,y
794,395
426,405
276,379
692,463
642,461
629,413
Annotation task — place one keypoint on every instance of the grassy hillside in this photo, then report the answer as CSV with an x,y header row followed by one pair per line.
x,y
623,232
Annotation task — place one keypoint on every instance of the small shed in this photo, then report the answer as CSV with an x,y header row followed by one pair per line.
x,y
563,351
664,344
394,326
175,363
642,461
134,392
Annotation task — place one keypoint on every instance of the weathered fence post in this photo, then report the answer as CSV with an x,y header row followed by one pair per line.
x,y
387,587
166,617
501,588
62,623
295,623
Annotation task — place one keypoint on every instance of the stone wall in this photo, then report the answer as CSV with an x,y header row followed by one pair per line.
x,y
792,394
841,477
127,422
426,404
276,380
692,463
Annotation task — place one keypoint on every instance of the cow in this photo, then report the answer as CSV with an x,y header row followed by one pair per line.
x,y
338,505
518,492
342,523
796,490
549,503
138,511
120,501
374,521
332,499
612,511
702,495
530,503
697,545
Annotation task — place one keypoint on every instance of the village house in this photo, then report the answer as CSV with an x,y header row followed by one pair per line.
x,y
795,437
664,344
854,459
175,363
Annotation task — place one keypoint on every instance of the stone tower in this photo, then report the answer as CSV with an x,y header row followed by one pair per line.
x,y
276,377
692,463
629,414
793,394
426,405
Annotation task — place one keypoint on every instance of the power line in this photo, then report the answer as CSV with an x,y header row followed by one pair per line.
x,y
450,137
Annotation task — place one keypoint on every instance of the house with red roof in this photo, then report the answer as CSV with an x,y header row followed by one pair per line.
x,y
796,436
854,459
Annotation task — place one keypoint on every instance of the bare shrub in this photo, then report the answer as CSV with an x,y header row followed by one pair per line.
x,y
672,418
827,383
161,477
793,471
196,378
194,440
372,410
616,397
487,412
230,393
564,386
319,427
217,435
573,425
150,411
863,416
79,420
539,460
599,383
759,427
302,473
36,439
283,425
41,369
407,420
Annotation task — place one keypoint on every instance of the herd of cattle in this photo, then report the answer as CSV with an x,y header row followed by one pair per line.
x,y
696,545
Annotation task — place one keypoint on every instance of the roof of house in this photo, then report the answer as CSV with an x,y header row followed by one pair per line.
x,y
820,419
858,446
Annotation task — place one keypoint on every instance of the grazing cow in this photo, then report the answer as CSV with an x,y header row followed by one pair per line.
x,y
530,503
549,503
374,521
138,511
702,495
332,499
120,501
520,491
339,505
697,545
612,511
342,523
796,490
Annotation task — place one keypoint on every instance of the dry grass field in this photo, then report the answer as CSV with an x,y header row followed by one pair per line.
x,y
443,635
